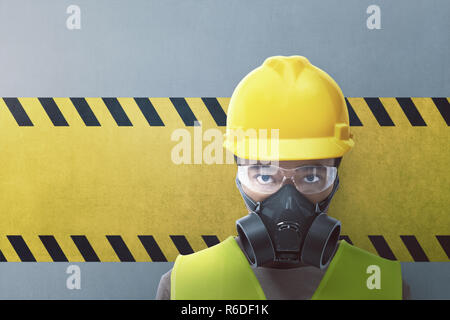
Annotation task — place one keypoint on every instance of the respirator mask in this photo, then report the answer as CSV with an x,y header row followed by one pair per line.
x,y
286,229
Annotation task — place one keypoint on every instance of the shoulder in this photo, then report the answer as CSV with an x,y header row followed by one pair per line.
x,y
406,291
163,292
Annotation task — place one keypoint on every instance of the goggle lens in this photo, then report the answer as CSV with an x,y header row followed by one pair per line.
x,y
268,179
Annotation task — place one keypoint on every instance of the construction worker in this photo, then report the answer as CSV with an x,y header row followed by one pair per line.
x,y
287,247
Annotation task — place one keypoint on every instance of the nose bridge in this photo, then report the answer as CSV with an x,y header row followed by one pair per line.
x,y
290,181
288,178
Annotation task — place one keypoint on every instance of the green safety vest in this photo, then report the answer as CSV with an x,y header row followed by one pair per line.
x,y
222,272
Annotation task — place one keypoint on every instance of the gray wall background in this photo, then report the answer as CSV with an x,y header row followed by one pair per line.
x,y
204,47
196,48
139,280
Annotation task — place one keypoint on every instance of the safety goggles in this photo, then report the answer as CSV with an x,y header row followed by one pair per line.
x,y
268,179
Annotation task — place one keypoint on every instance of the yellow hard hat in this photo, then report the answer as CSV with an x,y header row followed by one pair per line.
x,y
300,100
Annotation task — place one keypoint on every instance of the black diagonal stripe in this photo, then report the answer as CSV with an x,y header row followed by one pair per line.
x,y
149,112
182,244
216,111
53,248
117,112
346,238
444,108
184,111
379,112
414,248
85,112
18,112
85,248
382,247
444,241
21,248
411,112
2,257
152,248
120,248
53,112
211,240
354,120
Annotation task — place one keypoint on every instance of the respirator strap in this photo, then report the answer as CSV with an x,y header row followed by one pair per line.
x,y
254,206
324,204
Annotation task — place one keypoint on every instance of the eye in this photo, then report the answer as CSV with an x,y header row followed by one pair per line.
x,y
311,178
264,179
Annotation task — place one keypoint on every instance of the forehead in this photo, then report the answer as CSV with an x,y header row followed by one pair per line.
x,y
295,163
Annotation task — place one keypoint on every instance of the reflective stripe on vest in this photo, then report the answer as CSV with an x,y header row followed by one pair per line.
x,y
222,272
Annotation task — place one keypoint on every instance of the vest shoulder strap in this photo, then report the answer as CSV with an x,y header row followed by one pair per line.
x,y
357,274
221,272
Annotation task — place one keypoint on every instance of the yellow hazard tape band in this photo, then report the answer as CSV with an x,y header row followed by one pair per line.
x,y
94,179
152,117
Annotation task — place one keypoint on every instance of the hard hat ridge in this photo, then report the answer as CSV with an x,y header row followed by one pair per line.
x,y
287,67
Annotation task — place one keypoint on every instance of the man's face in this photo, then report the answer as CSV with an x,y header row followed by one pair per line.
x,y
314,198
